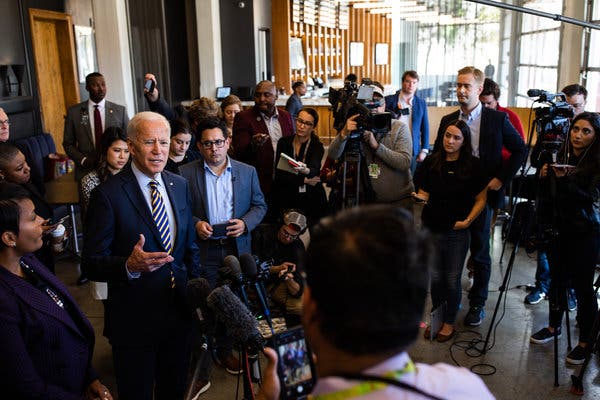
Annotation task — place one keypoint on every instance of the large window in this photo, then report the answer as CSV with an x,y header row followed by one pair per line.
x,y
591,67
539,50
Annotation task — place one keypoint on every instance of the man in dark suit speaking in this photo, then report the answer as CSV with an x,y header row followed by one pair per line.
x,y
140,238
85,123
490,130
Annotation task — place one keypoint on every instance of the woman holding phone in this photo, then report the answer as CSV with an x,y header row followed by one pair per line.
x,y
574,253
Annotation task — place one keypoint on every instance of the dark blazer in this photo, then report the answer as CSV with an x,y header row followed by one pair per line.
x,y
248,201
78,141
46,354
496,131
248,123
286,189
137,309
419,117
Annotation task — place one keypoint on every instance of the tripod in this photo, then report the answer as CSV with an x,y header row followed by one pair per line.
x,y
354,157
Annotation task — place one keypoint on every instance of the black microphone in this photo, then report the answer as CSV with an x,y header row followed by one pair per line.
x,y
535,92
197,292
232,264
250,270
239,322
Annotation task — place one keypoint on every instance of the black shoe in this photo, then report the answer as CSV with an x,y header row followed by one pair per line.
x,y
475,316
82,280
576,356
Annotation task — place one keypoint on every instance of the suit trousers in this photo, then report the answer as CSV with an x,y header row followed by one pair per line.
x,y
160,369
480,255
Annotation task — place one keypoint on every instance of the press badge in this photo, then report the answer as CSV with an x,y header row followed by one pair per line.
x,y
302,189
374,171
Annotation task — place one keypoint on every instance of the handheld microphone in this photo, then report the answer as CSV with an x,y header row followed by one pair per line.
x,y
233,265
249,267
239,322
197,291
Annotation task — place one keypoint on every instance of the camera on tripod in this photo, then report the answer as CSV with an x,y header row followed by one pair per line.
x,y
552,119
353,99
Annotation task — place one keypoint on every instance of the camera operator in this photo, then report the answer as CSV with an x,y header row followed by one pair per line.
x,y
387,156
573,253
283,246
375,256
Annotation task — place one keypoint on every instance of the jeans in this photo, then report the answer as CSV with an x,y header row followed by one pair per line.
x,y
542,272
573,259
480,255
445,276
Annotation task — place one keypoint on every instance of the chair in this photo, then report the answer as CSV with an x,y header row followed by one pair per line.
x,y
36,149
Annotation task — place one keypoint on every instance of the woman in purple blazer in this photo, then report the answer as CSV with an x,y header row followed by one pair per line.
x,y
45,340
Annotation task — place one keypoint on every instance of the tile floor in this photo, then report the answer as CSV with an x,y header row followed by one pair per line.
x,y
523,370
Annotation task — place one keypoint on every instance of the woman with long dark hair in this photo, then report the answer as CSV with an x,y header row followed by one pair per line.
x,y
114,155
303,189
574,253
454,190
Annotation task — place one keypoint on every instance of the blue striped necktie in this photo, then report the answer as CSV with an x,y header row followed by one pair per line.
x,y
159,213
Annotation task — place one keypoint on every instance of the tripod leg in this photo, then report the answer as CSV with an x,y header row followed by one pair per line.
x,y
567,320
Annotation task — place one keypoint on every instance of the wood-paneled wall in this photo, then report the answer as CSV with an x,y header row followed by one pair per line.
x,y
326,50
370,29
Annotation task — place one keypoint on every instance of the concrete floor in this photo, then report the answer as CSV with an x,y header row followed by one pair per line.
x,y
523,370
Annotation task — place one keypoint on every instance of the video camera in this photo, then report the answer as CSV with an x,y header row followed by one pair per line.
x,y
353,99
552,119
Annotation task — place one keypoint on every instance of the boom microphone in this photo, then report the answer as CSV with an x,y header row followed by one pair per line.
x,y
239,322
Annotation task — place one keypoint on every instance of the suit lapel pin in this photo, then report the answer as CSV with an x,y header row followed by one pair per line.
x,y
258,119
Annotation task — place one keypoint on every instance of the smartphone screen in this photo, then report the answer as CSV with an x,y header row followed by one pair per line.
x,y
149,84
295,369
220,230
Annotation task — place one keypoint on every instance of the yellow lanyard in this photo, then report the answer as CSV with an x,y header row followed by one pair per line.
x,y
365,387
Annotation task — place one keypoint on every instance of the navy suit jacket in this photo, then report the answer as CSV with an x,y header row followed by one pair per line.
x,y
248,123
45,353
137,309
419,117
496,131
248,201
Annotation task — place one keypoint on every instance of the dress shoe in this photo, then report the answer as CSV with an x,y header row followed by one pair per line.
x,y
427,333
231,364
441,338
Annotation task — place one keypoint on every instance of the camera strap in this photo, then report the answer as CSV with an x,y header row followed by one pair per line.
x,y
372,383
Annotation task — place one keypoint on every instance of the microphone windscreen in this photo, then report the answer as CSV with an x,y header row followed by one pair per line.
x,y
239,322
233,264
197,291
248,266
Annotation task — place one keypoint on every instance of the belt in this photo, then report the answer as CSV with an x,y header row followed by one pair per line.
x,y
219,242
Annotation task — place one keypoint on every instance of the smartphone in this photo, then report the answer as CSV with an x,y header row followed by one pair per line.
x,y
220,230
149,85
295,368
59,221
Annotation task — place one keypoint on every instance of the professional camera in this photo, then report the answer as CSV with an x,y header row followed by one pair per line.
x,y
552,119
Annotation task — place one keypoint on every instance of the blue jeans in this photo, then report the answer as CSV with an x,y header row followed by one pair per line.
x,y
542,272
480,255
452,248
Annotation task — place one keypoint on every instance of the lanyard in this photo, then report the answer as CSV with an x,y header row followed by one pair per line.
x,y
305,151
374,383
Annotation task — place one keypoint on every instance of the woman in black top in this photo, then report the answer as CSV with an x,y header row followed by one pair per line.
x,y
573,254
454,190
304,190
180,152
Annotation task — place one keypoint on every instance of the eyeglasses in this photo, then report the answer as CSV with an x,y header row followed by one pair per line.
x,y
5,122
208,144
289,235
303,122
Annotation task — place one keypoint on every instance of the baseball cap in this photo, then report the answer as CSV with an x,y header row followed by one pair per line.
x,y
295,218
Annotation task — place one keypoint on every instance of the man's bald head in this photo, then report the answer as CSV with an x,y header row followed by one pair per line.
x,y
265,96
